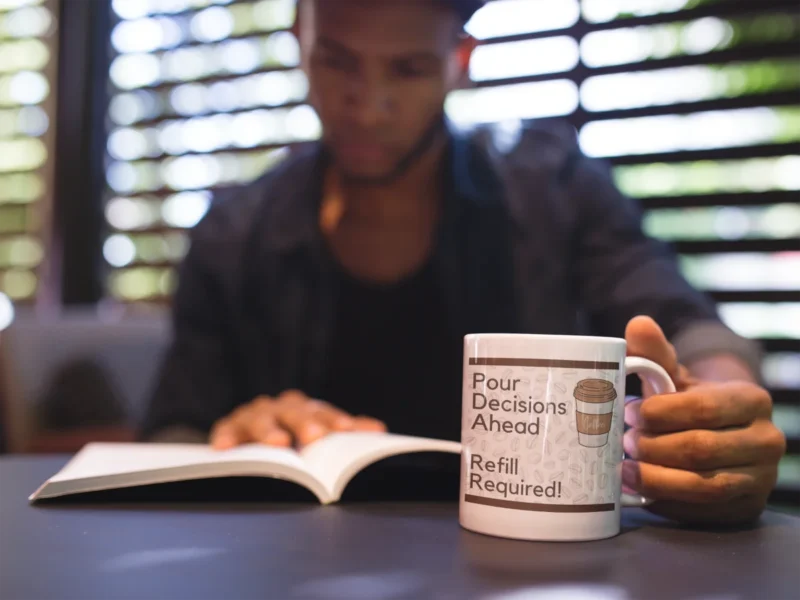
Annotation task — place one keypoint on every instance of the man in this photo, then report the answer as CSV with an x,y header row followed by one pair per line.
x,y
351,272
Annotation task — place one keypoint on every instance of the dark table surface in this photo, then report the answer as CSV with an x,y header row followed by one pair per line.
x,y
93,550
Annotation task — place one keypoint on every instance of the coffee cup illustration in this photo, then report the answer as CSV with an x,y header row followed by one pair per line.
x,y
594,408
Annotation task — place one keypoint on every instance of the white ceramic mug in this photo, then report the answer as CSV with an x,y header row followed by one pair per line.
x,y
542,426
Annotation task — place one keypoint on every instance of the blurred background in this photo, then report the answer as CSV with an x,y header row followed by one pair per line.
x,y
120,119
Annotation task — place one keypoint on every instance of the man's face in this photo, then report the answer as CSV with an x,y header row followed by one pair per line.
x,y
379,72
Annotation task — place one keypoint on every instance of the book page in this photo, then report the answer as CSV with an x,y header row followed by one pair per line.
x,y
100,466
102,459
337,458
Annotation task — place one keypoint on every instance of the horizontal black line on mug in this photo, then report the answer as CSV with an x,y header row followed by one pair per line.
x,y
544,362
538,507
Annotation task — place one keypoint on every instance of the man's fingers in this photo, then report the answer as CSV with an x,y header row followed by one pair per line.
x,y
292,416
227,433
369,424
716,406
303,421
333,418
705,450
701,487
264,428
646,339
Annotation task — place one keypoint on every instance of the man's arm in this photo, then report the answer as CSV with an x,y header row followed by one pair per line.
x,y
721,367
708,453
196,384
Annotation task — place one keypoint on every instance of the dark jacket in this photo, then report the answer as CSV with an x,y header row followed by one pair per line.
x,y
534,238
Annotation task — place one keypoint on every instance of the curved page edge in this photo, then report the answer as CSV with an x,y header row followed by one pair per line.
x,y
56,489
401,446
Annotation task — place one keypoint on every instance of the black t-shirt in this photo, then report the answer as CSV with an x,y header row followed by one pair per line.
x,y
393,356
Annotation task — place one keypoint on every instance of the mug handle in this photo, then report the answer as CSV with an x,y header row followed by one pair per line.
x,y
661,383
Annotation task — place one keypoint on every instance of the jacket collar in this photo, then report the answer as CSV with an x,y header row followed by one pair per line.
x,y
292,206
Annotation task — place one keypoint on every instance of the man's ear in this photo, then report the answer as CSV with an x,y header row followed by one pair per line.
x,y
466,46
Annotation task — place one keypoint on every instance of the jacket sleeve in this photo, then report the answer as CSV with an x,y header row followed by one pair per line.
x,y
196,383
621,272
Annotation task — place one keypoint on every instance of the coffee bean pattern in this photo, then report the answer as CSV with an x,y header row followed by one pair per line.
x,y
586,475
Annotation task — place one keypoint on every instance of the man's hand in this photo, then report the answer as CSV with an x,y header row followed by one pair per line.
x,y
290,418
706,454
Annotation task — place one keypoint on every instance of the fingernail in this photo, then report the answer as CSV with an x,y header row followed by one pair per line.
x,y
630,474
344,423
370,424
312,432
629,443
277,438
224,442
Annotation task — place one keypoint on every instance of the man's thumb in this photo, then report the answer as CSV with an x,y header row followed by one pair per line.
x,y
646,339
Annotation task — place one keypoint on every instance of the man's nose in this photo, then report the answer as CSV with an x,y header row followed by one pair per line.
x,y
370,102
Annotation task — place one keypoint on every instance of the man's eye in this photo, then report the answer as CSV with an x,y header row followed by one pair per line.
x,y
336,62
408,70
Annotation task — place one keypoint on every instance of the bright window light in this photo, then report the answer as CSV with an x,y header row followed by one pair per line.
x,y
127,144
33,21
525,58
240,56
11,4
122,177
130,71
224,96
19,284
512,17
28,87
302,123
128,213
130,107
206,134
21,251
253,128
189,99
142,35
779,221
191,172
186,64
127,9
762,320
710,177
6,311
136,284
22,154
636,44
512,102
119,250
697,131
186,208
21,188
602,11
269,15
743,271
212,24
706,35
21,55
782,370
687,84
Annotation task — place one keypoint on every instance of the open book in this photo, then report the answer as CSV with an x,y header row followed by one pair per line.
x,y
324,467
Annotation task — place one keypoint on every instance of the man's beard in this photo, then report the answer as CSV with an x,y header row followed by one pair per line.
x,y
425,142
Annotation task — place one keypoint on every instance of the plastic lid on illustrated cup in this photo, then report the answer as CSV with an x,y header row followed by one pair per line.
x,y
595,390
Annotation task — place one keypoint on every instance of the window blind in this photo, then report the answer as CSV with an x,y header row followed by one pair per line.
x,y
27,83
694,103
